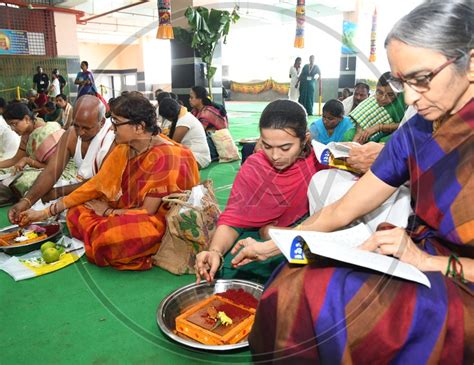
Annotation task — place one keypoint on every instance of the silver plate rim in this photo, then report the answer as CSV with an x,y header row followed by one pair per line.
x,y
192,344
3,248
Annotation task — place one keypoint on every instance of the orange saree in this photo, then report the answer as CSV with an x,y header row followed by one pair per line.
x,y
127,241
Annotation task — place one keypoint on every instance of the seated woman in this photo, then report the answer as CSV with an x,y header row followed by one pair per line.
x,y
163,123
118,213
333,124
270,188
212,115
377,117
186,129
38,143
332,313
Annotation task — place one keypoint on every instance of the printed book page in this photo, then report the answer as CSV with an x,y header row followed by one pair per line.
x,y
342,246
337,150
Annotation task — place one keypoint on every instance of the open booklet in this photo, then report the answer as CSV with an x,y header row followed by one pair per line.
x,y
342,246
333,154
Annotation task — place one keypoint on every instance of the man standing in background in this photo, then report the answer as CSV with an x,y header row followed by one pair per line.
x,y
40,80
62,80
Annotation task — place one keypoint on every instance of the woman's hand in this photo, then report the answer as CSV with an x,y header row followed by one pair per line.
x,y
363,136
362,157
20,165
396,242
207,264
249,250
29,216
98,206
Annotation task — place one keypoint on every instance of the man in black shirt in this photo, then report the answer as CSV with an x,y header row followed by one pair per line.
x,y
40,80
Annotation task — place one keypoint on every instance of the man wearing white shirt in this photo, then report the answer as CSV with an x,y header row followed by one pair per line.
x,y
89,143
55,88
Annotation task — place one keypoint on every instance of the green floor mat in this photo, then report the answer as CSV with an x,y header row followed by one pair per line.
x,y
89,315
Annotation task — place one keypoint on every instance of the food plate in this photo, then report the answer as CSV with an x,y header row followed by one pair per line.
x,y
179,300
53,232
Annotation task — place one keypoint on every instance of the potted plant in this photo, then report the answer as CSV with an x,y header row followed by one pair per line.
x,y
206,29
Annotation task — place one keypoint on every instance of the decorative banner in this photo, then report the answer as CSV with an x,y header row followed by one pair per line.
x,y
373,38
251,88
281,87
300,19
14,42
165,29
348,35
259,87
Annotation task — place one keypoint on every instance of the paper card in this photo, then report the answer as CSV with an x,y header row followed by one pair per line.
x,y
342,246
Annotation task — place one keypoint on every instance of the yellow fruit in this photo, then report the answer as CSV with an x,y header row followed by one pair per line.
x,y
51,255
46,245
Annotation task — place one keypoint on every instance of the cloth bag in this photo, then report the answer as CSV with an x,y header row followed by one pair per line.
x,y
226,148
189,230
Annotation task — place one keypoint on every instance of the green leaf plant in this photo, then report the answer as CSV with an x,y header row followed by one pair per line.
x,y
206,29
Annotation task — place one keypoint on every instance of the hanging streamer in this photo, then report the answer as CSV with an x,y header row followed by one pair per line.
x,y
165,29
300,19
373,38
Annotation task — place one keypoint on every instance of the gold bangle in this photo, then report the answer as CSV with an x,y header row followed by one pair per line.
x,y
299,227
27,200
221,256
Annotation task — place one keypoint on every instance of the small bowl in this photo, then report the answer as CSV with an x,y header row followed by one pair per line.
x,y
53,232
179,300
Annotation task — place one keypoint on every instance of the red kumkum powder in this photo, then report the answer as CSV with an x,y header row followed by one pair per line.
x,y
240,296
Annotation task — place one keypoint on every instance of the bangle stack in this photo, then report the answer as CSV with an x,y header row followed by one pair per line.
x,y
108,211
220,256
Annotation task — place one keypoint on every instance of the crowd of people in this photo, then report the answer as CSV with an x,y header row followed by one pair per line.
x,y
110,166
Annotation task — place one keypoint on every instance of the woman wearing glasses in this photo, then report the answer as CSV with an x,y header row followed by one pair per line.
x,y
118,212
344,314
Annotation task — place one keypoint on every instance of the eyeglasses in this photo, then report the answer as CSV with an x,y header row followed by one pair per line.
x,y
381,94
419,83
116,124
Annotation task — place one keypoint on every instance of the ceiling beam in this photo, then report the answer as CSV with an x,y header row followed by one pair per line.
x,y
85,20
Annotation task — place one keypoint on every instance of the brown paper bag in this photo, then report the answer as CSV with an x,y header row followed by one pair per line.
x,y
188,232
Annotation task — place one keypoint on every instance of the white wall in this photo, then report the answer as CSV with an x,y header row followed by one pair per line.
x,y
157,61
66,34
